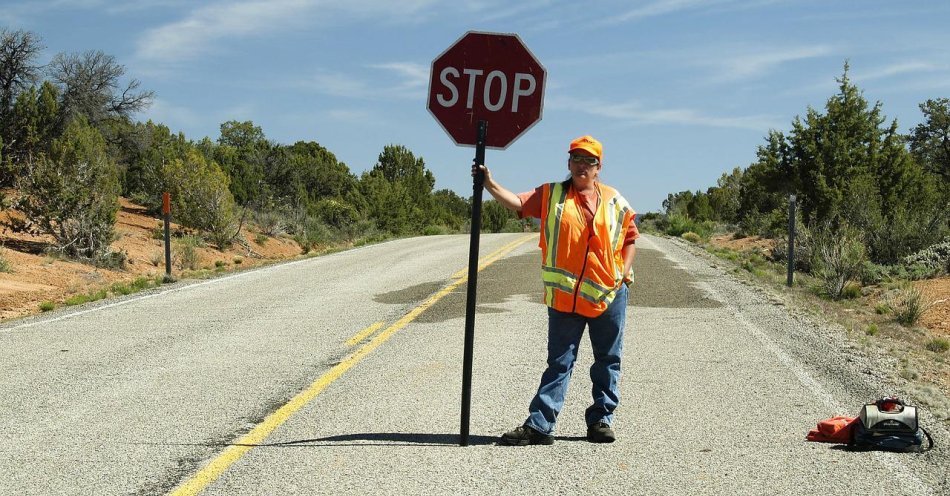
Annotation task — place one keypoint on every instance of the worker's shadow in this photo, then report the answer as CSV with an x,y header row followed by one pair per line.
x,y
388,439
394,439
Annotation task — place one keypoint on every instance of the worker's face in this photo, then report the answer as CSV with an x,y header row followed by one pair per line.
x,y
584,166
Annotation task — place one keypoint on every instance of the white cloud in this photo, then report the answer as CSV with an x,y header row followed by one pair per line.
x,y
757,64
203,29
337,84
195,34
409,82
897,69
635,113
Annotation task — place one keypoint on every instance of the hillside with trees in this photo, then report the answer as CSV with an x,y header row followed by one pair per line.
x,y
71,147
872,242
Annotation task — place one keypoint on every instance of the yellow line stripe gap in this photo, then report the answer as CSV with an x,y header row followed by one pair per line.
x,y
220,464
362,334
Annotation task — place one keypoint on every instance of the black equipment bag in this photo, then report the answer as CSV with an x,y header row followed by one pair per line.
x,y
891,425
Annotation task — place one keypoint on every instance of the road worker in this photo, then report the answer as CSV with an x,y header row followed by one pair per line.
x,y
587,249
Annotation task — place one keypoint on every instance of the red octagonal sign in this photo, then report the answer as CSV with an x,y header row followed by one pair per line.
x,y
491,77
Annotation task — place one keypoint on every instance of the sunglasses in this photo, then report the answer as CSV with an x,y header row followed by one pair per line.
x,y
585,159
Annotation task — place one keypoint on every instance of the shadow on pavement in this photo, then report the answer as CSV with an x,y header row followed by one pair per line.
x,y
387,438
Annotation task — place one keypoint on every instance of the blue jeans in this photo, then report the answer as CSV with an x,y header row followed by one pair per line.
x,y
564,336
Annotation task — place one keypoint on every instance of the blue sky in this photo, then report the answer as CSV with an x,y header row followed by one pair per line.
x,y
679,91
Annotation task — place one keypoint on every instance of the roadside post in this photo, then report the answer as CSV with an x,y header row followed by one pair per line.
x,y
167,214
481,79
791,240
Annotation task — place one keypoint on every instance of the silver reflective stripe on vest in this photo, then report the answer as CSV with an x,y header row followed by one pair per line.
x,y
553,221
595,293
550,275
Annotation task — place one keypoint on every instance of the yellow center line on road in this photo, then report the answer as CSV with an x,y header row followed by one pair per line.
x,y
362,334
210,472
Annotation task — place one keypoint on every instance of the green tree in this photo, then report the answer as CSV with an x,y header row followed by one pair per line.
x,y
34,126
398,191
495,216
699,208
313,173
724,197
72,195
24,134
201,198
144,149
18,71
678,204
92,87
243,154
930,140
450,209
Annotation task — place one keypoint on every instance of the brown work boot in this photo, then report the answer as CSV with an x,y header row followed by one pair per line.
x,y
601,432
524,435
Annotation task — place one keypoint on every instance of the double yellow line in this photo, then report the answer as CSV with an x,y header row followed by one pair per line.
x,y
210,472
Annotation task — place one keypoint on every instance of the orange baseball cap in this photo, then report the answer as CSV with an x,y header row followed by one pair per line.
x,y
589,144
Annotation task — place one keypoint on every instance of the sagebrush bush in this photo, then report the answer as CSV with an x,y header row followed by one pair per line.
x,y
932,260
187,252
938,345
908,305
691,237
872,273
677,225
5,265
838,256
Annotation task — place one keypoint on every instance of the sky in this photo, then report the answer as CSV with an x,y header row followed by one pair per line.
x,y
678,91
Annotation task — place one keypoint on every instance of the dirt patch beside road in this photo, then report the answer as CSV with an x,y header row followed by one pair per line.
x,y
36,276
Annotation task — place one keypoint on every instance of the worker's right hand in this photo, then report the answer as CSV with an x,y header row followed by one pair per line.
x,y
476,168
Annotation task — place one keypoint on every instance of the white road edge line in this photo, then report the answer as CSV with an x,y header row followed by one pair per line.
x,y
900,470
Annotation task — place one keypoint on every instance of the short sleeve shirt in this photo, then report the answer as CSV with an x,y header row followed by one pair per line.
x,y
531,207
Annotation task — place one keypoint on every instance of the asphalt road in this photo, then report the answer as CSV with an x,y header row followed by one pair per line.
x,y
342,375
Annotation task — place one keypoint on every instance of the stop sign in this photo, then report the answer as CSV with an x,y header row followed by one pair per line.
x,y
491,77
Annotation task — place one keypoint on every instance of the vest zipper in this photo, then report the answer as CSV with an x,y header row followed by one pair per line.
x,y
580,278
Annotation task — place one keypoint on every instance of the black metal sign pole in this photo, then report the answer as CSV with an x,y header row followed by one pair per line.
x,y
479,182
791,240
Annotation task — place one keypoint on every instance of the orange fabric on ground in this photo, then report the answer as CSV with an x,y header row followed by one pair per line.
x,y
833,430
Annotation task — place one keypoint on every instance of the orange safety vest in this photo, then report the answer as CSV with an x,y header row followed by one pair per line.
x,y
582,269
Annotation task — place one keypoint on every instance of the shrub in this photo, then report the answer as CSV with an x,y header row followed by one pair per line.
x,y
691,237
513,226
908,304
273,222
187,256
201,198
434,230
931,261
838,256
261,239
72,194
851,291
679,224
938,345
872,329
4,263
872,273
46,306
335,213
